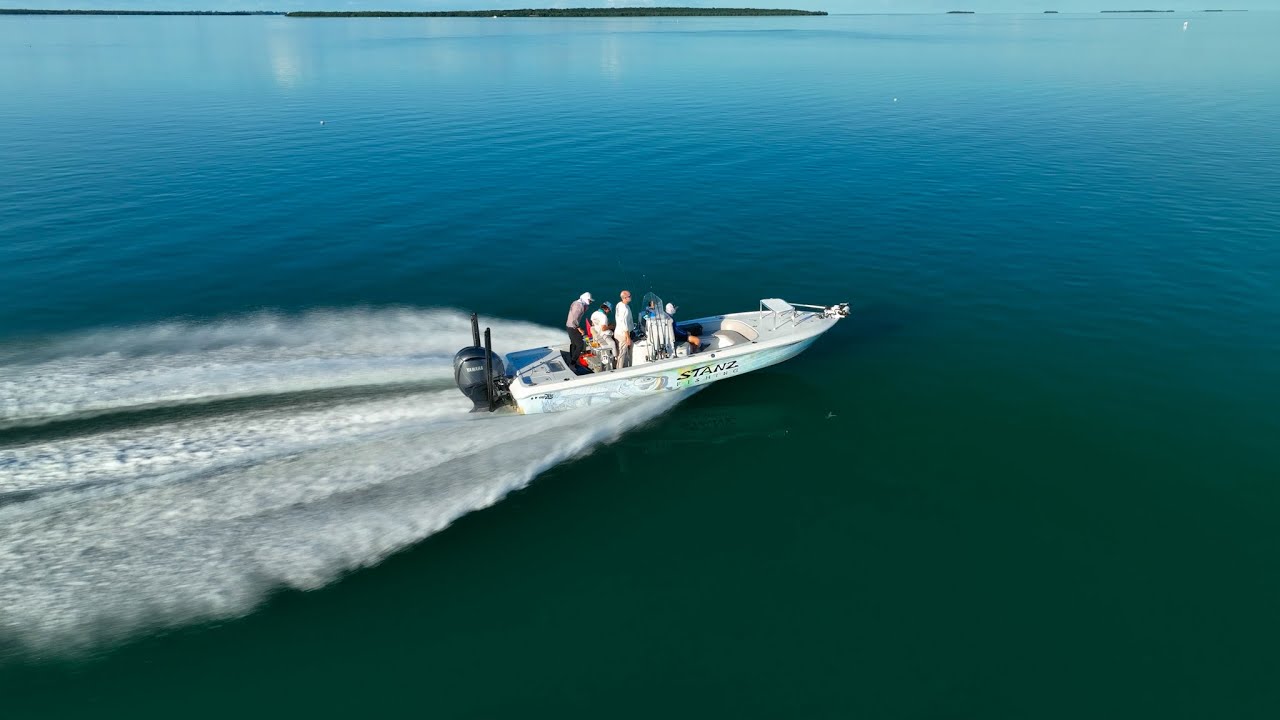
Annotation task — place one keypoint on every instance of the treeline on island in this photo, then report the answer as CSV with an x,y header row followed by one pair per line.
x,y
567,12
543,12
22,11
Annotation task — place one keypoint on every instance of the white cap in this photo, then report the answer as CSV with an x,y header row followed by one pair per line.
x,y
671,309
585,297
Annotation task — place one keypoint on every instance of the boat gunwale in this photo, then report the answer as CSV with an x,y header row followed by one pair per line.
x,y
800,331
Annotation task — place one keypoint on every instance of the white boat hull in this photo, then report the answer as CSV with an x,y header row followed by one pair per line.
x,y
540,380
692,371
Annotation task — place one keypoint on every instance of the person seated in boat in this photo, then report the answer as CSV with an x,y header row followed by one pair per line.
x,y
602,334
695,342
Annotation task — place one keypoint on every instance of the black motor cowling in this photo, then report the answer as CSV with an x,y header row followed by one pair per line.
x,y
479,373
468,371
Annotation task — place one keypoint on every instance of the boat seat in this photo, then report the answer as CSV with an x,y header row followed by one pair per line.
x,y
742,328
727,338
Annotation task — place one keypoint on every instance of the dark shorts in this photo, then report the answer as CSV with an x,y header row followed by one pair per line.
x,y
684,331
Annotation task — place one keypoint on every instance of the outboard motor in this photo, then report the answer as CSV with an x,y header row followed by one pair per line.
x,y
479,373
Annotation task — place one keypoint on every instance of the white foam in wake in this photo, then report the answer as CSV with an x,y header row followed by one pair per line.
x,y
189,446
179,363
131,529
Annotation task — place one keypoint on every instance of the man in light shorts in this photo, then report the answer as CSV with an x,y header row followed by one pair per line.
x,y
622,327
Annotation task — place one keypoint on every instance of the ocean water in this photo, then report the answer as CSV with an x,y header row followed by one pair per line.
x,y
1034,474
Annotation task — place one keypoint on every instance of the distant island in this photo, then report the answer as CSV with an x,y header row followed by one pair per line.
x,y
19,11
528,12
563,12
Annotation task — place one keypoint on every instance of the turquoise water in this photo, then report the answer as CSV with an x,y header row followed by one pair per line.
x,y
1032,476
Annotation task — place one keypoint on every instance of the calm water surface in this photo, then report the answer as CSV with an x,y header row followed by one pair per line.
x,y
1035,475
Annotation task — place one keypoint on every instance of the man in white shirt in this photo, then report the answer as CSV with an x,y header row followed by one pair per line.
x,y
695,342
622,327
602,333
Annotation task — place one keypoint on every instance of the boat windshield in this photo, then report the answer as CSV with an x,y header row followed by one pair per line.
x,y
652,306
658,329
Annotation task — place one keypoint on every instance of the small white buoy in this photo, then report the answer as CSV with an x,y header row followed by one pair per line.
x,y
1185,23
895,99
321,122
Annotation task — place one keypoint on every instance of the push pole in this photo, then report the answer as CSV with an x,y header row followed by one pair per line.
x,y
488,369
475,331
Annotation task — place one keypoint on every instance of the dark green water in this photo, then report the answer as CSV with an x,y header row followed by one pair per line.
x,y
1034,475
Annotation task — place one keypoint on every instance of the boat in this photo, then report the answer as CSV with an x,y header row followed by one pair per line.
x,y
542,379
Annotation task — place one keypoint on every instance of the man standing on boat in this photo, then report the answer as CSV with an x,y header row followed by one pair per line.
x,y
602,334
573,323
622,327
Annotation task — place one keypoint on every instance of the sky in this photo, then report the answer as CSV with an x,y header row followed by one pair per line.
x,y
833,6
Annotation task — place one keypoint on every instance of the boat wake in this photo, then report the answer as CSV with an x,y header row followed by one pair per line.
x,y
159,476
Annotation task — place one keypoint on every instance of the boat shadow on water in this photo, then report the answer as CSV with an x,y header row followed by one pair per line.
x,y
868,324
782,406
745,412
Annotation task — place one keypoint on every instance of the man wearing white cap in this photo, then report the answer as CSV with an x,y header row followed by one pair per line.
x,y
622,327
573,323
602,333
695,342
